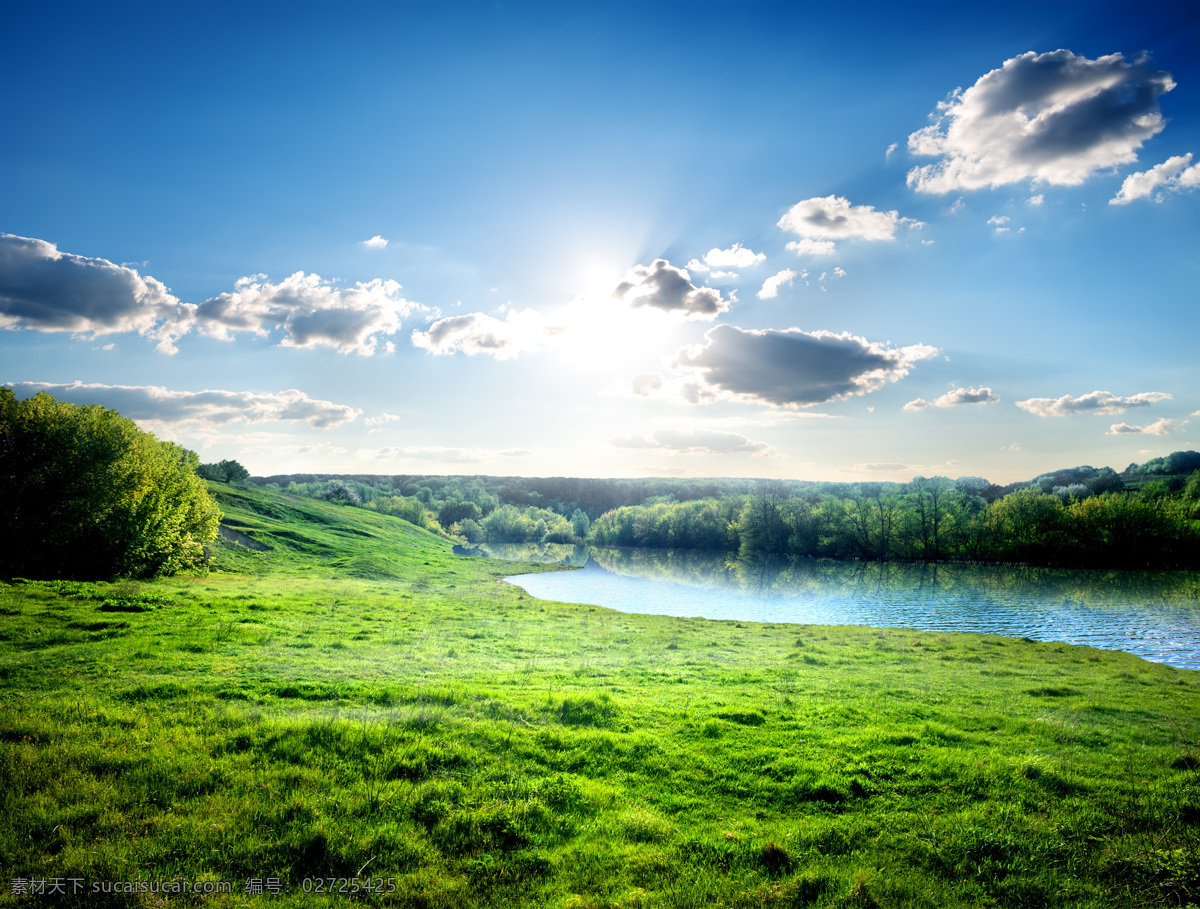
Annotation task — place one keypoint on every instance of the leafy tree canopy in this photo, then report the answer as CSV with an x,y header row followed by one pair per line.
x,y
224,472
85,493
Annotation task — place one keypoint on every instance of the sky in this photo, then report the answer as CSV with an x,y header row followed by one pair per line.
x,y
610,239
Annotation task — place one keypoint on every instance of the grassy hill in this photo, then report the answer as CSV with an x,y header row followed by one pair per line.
x,y
342,697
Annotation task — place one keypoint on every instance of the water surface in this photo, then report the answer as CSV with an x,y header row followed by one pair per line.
x,y
1155,615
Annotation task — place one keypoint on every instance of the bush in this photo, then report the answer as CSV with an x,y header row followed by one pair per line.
x,y
85,493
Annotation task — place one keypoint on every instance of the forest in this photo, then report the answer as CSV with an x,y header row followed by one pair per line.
x,y
1147,516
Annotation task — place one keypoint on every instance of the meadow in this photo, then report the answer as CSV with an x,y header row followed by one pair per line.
x,y
342,711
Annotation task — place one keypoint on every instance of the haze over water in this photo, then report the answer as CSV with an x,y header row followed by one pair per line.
x,y
1154,615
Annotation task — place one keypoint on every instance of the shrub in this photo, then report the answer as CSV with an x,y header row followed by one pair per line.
x,y
85,493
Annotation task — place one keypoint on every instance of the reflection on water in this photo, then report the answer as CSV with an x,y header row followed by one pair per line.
x,y
1155,615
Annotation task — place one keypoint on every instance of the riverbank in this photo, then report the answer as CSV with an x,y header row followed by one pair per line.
x,y
1151,614
357,702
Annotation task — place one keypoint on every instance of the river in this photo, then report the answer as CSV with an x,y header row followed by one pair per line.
x,y
1154,615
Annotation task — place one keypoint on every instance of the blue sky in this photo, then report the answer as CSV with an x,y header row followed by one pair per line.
x,y
610,239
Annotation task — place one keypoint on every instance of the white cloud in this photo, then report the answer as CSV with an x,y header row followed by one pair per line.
x,y
478,333
770,288
1173,175
1035,200
646,383
1097,402
310,311
699,441
662,286
808,247
788,367
42,289
981,395
998,220
891,148
834,218
737,256
381,419
1161,427
1015,446
376,242
158,405
1051,118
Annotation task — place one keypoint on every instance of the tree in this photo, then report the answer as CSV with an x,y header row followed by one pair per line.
x,y
85,493
580,524
223,472
342,492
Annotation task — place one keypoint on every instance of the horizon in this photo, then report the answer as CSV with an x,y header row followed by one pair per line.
x,y
612,241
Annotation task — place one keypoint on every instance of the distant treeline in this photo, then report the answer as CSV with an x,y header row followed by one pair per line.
x,y
1144,517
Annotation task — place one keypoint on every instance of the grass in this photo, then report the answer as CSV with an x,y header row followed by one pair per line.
x,y
354,701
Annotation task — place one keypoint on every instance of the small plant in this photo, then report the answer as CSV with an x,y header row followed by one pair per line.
x,y
598,712
775,859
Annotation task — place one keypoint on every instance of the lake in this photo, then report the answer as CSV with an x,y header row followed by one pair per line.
x,y
1155,615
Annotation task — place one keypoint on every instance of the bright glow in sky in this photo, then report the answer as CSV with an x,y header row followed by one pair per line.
x,y
610,239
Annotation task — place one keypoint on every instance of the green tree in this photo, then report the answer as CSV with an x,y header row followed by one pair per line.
x,y
85,493
341,492
580,524
223,472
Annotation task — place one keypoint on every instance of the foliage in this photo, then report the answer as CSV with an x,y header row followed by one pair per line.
x,y
224,472
85,493
341,492
928,519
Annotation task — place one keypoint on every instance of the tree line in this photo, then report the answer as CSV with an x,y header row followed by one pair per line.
x,y
1144,517
932,520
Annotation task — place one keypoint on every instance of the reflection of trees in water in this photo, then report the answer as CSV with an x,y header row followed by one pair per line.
x,y
769,576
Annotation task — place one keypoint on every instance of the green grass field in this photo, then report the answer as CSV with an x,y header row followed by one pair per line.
x,y
355,702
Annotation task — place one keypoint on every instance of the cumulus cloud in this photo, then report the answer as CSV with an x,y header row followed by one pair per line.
x,y
737,256
1098,402
1173,175
155,404
661,285
953,398
376,242
1052,118
831,218
789,367
310,312
478,333
696,442
646,383
1161,427
770,288
809,247
42,289
1035,201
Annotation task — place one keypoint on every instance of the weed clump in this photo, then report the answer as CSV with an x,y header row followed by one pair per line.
x,y
598,712
775,859
743,718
